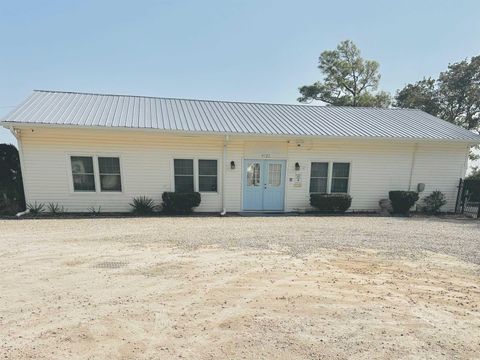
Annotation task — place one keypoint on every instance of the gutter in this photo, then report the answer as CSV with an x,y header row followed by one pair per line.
x,y
412,167
224,171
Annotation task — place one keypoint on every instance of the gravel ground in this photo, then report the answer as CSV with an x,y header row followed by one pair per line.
x,y
240,287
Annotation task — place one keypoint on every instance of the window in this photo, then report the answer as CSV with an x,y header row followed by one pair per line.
x,y
253,174
183,171
109,169
319,177
340,174
207,175
82,173
274,175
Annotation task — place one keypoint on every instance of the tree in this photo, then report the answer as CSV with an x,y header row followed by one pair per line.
x,y
421,95
454,96
11,187
349,80
475,174
459,93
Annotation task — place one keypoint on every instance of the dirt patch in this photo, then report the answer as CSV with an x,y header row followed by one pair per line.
x,y
207,288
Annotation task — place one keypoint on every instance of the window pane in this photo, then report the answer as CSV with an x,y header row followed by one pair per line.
x,y
109,165
110,183
319,169
207,183
207,167
318,185
83,182
253,174
341,170
339,185
274,174
183,167
184,183
82,165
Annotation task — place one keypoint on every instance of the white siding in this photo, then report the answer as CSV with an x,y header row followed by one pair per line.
x,y
147,166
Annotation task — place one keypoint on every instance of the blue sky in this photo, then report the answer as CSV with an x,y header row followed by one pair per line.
x,y
231,50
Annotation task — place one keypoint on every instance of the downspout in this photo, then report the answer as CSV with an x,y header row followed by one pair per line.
x,y
17,133
224,171
412,167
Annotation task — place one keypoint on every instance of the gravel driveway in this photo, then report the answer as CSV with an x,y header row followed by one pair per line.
x,y
240,287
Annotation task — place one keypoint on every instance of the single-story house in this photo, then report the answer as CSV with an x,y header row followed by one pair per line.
x,y
82,150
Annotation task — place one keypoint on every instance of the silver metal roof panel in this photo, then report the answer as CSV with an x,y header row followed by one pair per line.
x,y
226,117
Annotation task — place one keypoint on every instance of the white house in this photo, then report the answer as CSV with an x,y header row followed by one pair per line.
x,y
82,150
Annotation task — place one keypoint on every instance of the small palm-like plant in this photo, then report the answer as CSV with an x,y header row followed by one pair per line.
x,y
55,208
93,210
142,205
36,208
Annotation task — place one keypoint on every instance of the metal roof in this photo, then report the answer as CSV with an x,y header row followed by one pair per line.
x,y
57,108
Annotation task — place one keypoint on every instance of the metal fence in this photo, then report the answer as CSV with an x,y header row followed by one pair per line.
x,y
468,198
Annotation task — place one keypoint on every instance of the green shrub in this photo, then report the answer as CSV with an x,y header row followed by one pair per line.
x,y
434,202
142,205
331,202
8,206
54,208
36,208
402,201
174,202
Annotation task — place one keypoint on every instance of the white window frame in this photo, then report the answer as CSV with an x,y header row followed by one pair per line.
x,y
193,174
196,172
198,175
339,177
96,173
100,174
310,177
330,174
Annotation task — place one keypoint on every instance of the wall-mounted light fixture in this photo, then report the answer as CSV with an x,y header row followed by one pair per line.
x,y
232,165
297,166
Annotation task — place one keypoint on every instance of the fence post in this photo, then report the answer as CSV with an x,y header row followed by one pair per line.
x,y
459,191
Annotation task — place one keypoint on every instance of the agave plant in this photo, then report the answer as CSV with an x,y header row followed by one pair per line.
x,y
55,208
36,208
142,205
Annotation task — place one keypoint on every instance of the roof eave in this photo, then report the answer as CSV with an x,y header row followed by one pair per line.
x,y
20,125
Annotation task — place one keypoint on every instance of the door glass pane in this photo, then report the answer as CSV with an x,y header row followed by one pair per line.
x,y
253,174
274,174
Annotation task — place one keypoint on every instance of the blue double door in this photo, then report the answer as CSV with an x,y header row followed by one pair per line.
x,y
264,185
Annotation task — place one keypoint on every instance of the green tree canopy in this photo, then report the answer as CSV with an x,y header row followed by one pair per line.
x,y
421,95
454,96
349,80
11,187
